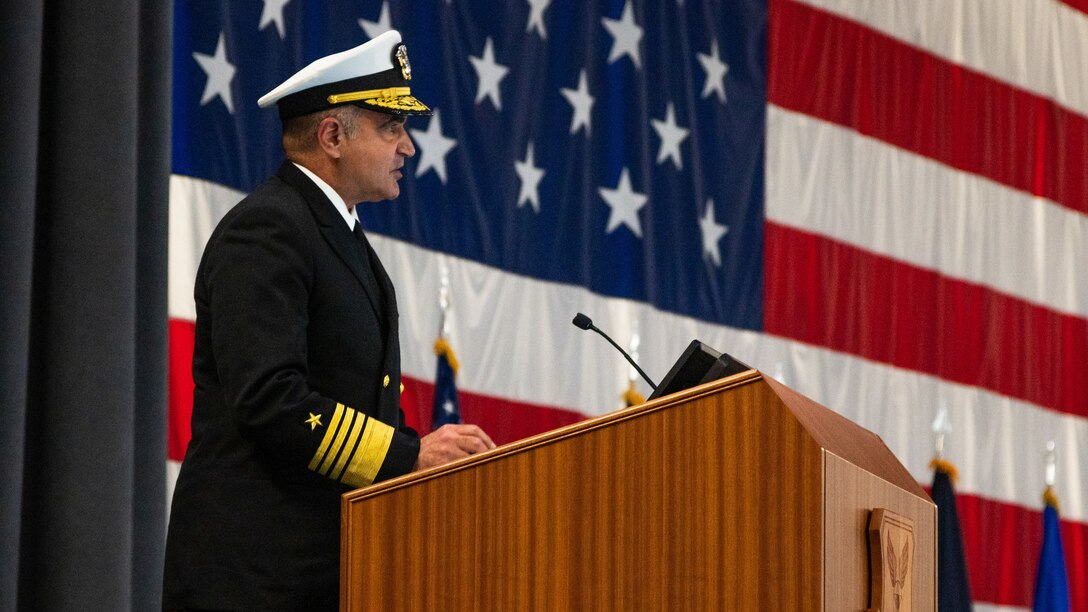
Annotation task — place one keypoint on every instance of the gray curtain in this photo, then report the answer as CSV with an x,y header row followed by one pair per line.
x,y
85,128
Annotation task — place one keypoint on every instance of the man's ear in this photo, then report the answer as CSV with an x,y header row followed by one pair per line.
x,y
330,135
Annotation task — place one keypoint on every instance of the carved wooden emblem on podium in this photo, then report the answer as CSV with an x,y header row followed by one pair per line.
x,y
891,561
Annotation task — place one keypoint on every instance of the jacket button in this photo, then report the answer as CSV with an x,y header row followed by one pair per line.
x,y
385,381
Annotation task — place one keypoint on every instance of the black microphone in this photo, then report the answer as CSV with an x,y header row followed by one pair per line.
x,y
584,322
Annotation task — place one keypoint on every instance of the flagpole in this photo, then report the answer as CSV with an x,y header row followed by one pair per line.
x,y
1050,498
631,396
942,427
780,372
444,301
1051,578
446,407
953,585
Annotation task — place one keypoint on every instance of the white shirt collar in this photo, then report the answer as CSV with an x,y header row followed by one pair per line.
x,y
351,218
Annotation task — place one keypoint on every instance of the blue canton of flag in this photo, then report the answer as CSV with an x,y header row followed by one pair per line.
x,y
615,145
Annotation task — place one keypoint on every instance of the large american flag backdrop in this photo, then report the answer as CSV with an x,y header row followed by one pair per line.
x,y
881,203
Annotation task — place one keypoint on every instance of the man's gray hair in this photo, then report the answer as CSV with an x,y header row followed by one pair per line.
x,y
300,133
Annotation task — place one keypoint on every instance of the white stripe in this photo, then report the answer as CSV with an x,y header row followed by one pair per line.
x,y
514,339
832,181
173,468
196,206
983,607
1037,45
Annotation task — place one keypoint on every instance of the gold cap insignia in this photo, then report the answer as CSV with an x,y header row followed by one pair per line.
x,y
400,54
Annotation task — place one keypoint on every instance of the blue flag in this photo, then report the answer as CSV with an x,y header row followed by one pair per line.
x,y
447,408
1051,583
953,589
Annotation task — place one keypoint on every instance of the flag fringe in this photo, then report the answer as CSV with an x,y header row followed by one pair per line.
x,y
945,466
1050,498
632,396
443,349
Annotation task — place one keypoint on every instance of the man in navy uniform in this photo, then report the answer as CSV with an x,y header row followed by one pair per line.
x,y
297,360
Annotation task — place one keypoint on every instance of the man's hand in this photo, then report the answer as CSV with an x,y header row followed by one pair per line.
x,y
451,442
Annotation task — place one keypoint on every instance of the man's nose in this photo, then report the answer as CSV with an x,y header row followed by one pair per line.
x,y
407,147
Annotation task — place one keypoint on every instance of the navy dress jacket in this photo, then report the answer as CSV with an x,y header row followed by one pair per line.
x,y
297,371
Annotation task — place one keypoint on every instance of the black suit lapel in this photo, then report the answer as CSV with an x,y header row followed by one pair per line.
x,y
335,231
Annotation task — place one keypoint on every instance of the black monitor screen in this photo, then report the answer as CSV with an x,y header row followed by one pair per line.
x,y
697,365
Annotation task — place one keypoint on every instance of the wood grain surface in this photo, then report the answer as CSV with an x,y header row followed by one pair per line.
x,y
851,496
709,499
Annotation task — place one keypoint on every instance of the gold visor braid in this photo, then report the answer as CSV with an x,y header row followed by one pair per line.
x,y
370,94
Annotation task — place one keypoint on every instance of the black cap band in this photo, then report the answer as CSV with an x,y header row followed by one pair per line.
x,y
317,98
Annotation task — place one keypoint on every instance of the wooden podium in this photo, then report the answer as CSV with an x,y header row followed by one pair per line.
x,y
739,494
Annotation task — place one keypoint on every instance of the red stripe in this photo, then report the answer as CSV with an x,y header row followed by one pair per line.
x,y
1002,543
180,388
1080,5
1075,545
831,294
503,420
842,72
1001,540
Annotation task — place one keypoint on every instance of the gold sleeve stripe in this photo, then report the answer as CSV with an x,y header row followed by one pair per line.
x,y
369,455
337,446
349,446
330,432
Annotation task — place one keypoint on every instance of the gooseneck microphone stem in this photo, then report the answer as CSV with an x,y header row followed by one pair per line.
x,y
631,361
585,322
